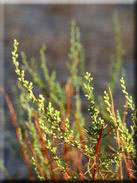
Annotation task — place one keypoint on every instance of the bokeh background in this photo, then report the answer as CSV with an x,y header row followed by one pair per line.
x,y
35,25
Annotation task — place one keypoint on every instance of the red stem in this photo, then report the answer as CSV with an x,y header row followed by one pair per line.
x,y
96,153
14,123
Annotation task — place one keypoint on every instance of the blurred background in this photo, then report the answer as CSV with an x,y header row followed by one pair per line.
x,y
35,25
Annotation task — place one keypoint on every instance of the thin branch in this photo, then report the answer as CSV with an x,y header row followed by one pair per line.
x,y
14,123
97,153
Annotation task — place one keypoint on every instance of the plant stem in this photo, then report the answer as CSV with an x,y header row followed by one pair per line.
x,y
96,153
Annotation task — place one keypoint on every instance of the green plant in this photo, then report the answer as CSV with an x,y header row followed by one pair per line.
x,y
54,139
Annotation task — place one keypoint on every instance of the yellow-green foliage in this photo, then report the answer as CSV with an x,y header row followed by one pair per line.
x,y
55,145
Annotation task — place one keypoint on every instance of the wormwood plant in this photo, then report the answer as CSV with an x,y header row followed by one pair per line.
x,y
54,140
